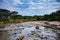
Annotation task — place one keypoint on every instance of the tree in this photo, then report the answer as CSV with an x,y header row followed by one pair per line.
x,y
5,14
13,13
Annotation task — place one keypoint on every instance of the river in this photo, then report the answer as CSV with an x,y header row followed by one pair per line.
x,y
29,32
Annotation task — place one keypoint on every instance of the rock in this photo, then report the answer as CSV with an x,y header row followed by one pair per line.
x,y
20,38
33,32
43,36
35,39
17,39
37,27
37,35
46,23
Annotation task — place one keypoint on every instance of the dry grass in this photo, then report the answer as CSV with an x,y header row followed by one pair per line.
x,y
20,38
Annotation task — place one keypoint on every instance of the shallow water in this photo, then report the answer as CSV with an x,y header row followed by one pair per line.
x,y
30,33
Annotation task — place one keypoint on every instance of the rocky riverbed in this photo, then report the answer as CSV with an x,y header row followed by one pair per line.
x,y
28,31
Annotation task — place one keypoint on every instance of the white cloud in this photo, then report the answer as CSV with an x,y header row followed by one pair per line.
x,y
17,2
41,7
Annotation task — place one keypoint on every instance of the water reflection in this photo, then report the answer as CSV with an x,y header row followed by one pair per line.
x,y
29,32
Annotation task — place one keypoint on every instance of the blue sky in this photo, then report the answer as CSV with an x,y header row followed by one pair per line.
x,y
31,7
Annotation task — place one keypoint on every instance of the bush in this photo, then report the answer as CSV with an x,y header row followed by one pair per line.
x,y
1,24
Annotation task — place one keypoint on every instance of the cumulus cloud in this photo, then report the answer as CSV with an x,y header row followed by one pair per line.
x,y
31,7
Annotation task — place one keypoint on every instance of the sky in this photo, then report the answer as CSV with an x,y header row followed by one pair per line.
x,y
31,7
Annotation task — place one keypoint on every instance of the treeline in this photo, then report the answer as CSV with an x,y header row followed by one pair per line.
x,y
7,16
54,16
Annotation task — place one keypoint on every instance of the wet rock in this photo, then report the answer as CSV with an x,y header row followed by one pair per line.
x,y
37,27
48,32
15,33
21,25
35,39
37,35
42,36
39,31
20,32
21,28
17,39
30,26
33,32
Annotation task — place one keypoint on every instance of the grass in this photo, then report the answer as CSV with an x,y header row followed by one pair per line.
x,y
1,24
20,38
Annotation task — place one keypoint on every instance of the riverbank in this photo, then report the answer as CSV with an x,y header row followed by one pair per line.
x,y
31,29
28,31
40,23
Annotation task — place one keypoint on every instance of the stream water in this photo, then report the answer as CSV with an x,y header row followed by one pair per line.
x,y
30,33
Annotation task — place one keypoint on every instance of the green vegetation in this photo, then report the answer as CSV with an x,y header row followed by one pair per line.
x,y
7,16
